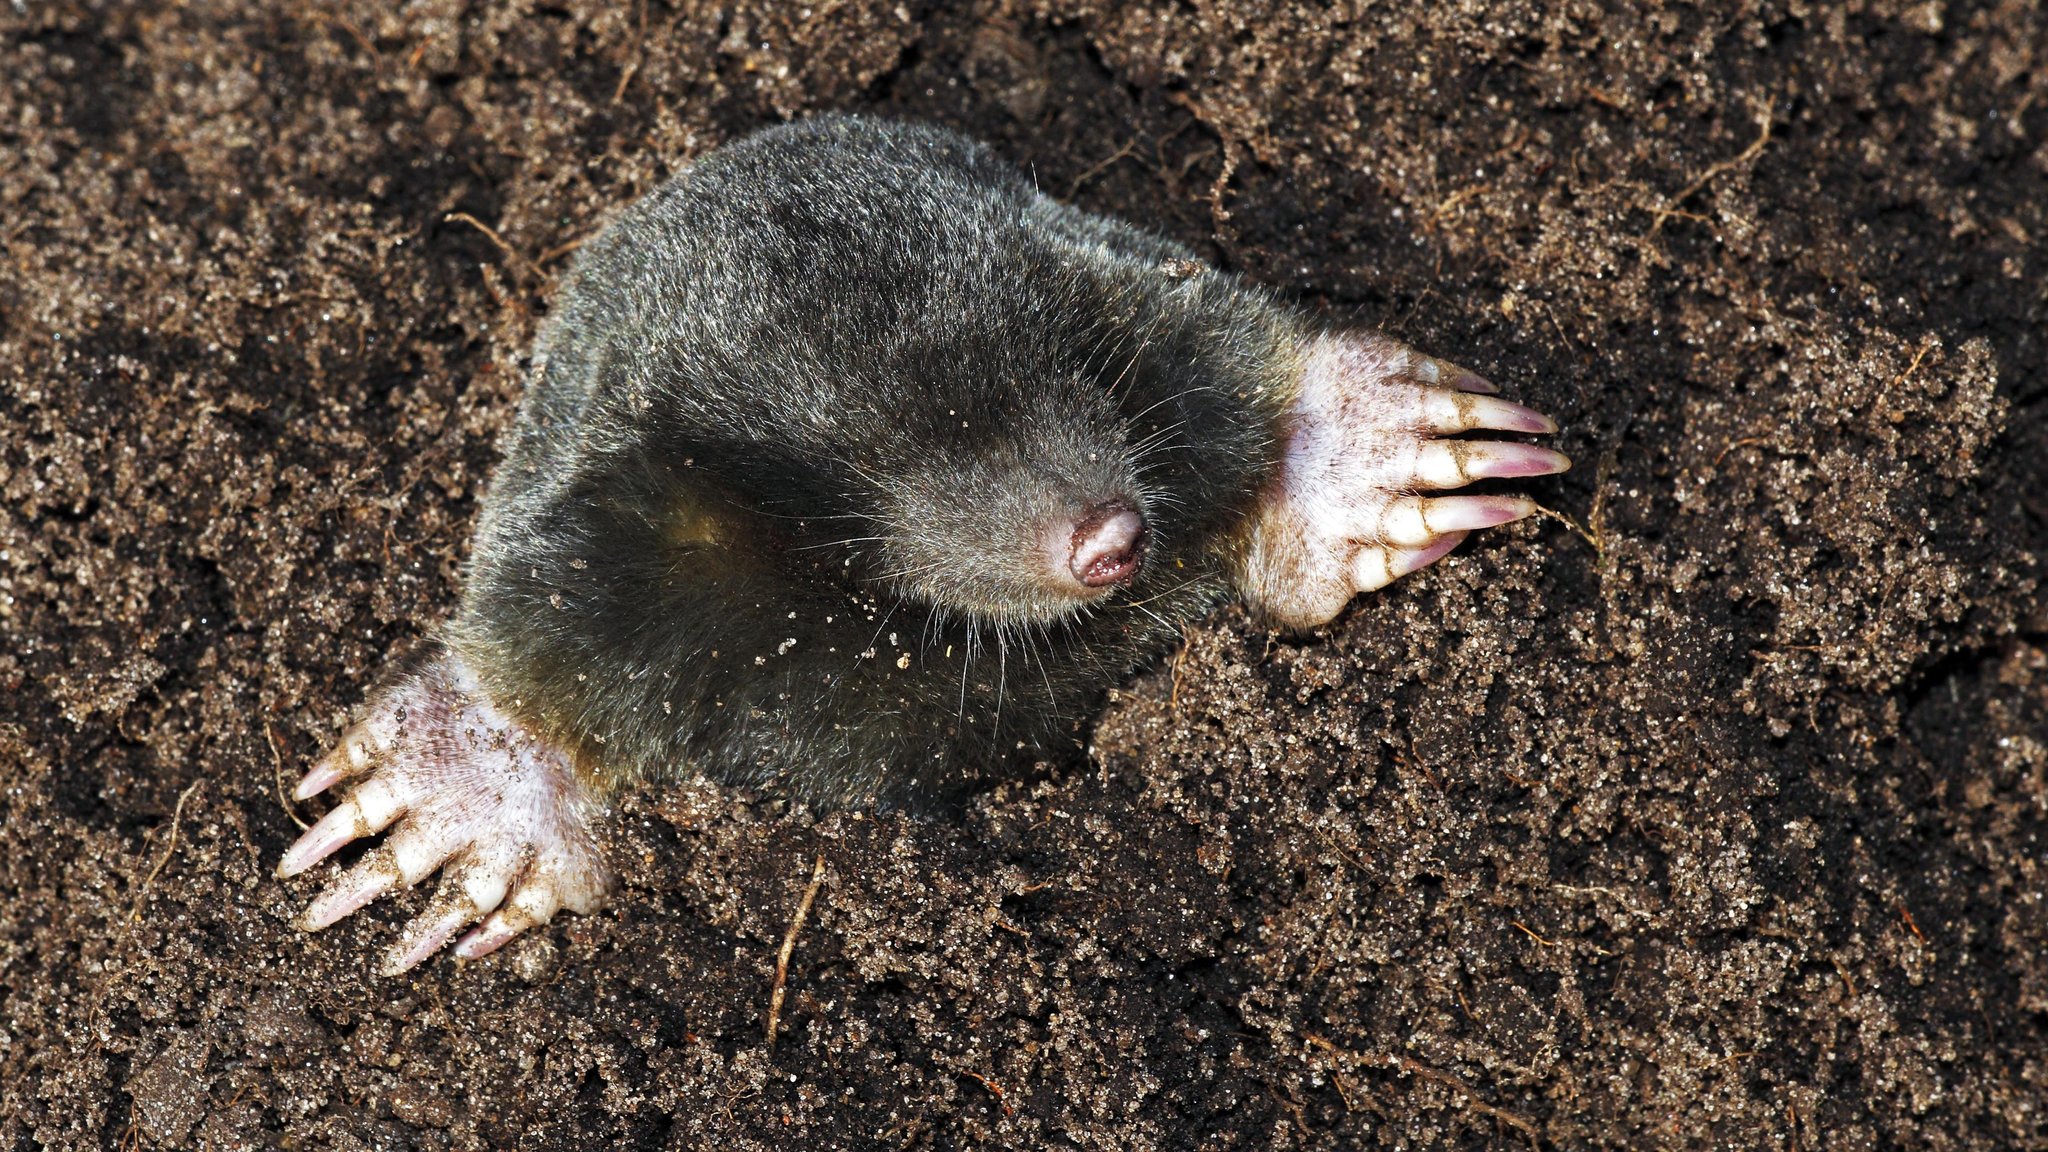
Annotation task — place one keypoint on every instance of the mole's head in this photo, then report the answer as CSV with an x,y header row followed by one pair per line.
x,y
1015,502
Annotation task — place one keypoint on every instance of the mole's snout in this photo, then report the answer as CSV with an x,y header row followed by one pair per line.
x,y
1108,544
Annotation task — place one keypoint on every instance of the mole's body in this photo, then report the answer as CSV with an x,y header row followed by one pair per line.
x,y
854,467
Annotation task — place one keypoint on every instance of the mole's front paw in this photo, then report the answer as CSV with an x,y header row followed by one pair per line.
x,y
469,787
1366,436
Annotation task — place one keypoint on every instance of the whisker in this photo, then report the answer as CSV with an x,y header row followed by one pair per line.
x,y
1051,698
966,664
1002,679
839,543
1163,594
814,515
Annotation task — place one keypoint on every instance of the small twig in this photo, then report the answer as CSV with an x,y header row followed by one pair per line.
x,y
1179,656
1925,348
994,1090
1330,842
1675,214
1750,153
170,846
1576,529
1745,442
560,250
639,52
796,925
1101,166
493,237
241,823
1616,895
1159,155
1343,1090
1445,205
355,34
1908,918
2016,120
277,775
1842,970
1286,1100
1417,1068
1218,214
120,942
1531,934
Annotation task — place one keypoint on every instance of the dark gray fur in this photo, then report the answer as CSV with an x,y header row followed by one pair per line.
x,y
745,420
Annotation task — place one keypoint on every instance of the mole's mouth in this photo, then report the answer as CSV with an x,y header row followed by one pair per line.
x,y
1107,545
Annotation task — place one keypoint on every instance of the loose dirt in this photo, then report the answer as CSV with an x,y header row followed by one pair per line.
x,y
1712,812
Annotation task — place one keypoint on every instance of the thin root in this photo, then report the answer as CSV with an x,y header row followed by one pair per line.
x,y
639,54
796,925
1748,154
1926,346
491,234
1101,166
1576,529
170,846
1179,657
994,1090
1416,1068
1745,442
277,776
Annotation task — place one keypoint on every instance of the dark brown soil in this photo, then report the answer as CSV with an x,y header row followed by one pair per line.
x,y
1720,823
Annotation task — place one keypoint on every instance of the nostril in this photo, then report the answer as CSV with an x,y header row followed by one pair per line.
x,y
1109,540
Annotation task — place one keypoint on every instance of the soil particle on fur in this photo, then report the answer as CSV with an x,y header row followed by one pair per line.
x,y
1710,813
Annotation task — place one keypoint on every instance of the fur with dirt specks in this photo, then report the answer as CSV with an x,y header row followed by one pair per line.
x,y
753,516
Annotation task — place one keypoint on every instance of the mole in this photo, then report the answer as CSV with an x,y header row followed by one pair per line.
x,y
852,466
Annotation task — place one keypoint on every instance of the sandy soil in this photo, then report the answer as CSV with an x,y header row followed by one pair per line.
x,y
1713,816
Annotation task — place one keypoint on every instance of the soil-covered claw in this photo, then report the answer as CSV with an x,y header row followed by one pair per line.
x,y
1371,429
462,786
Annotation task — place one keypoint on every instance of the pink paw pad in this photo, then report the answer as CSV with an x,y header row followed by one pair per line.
x,y
463,788
1369,435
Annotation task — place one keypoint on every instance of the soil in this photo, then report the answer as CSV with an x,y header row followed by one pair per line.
x,y
1711,812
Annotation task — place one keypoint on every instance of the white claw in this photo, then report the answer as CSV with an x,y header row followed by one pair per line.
x,y
485,939
425,936
325,774
357,753
1445,413
1456,463
531,905
371,877
1416,521
1377,566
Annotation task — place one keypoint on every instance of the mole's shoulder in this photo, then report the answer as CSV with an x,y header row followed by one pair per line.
x,y
834,160
799,146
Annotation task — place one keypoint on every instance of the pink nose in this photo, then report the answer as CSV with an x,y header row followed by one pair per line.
x,y
1109,541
